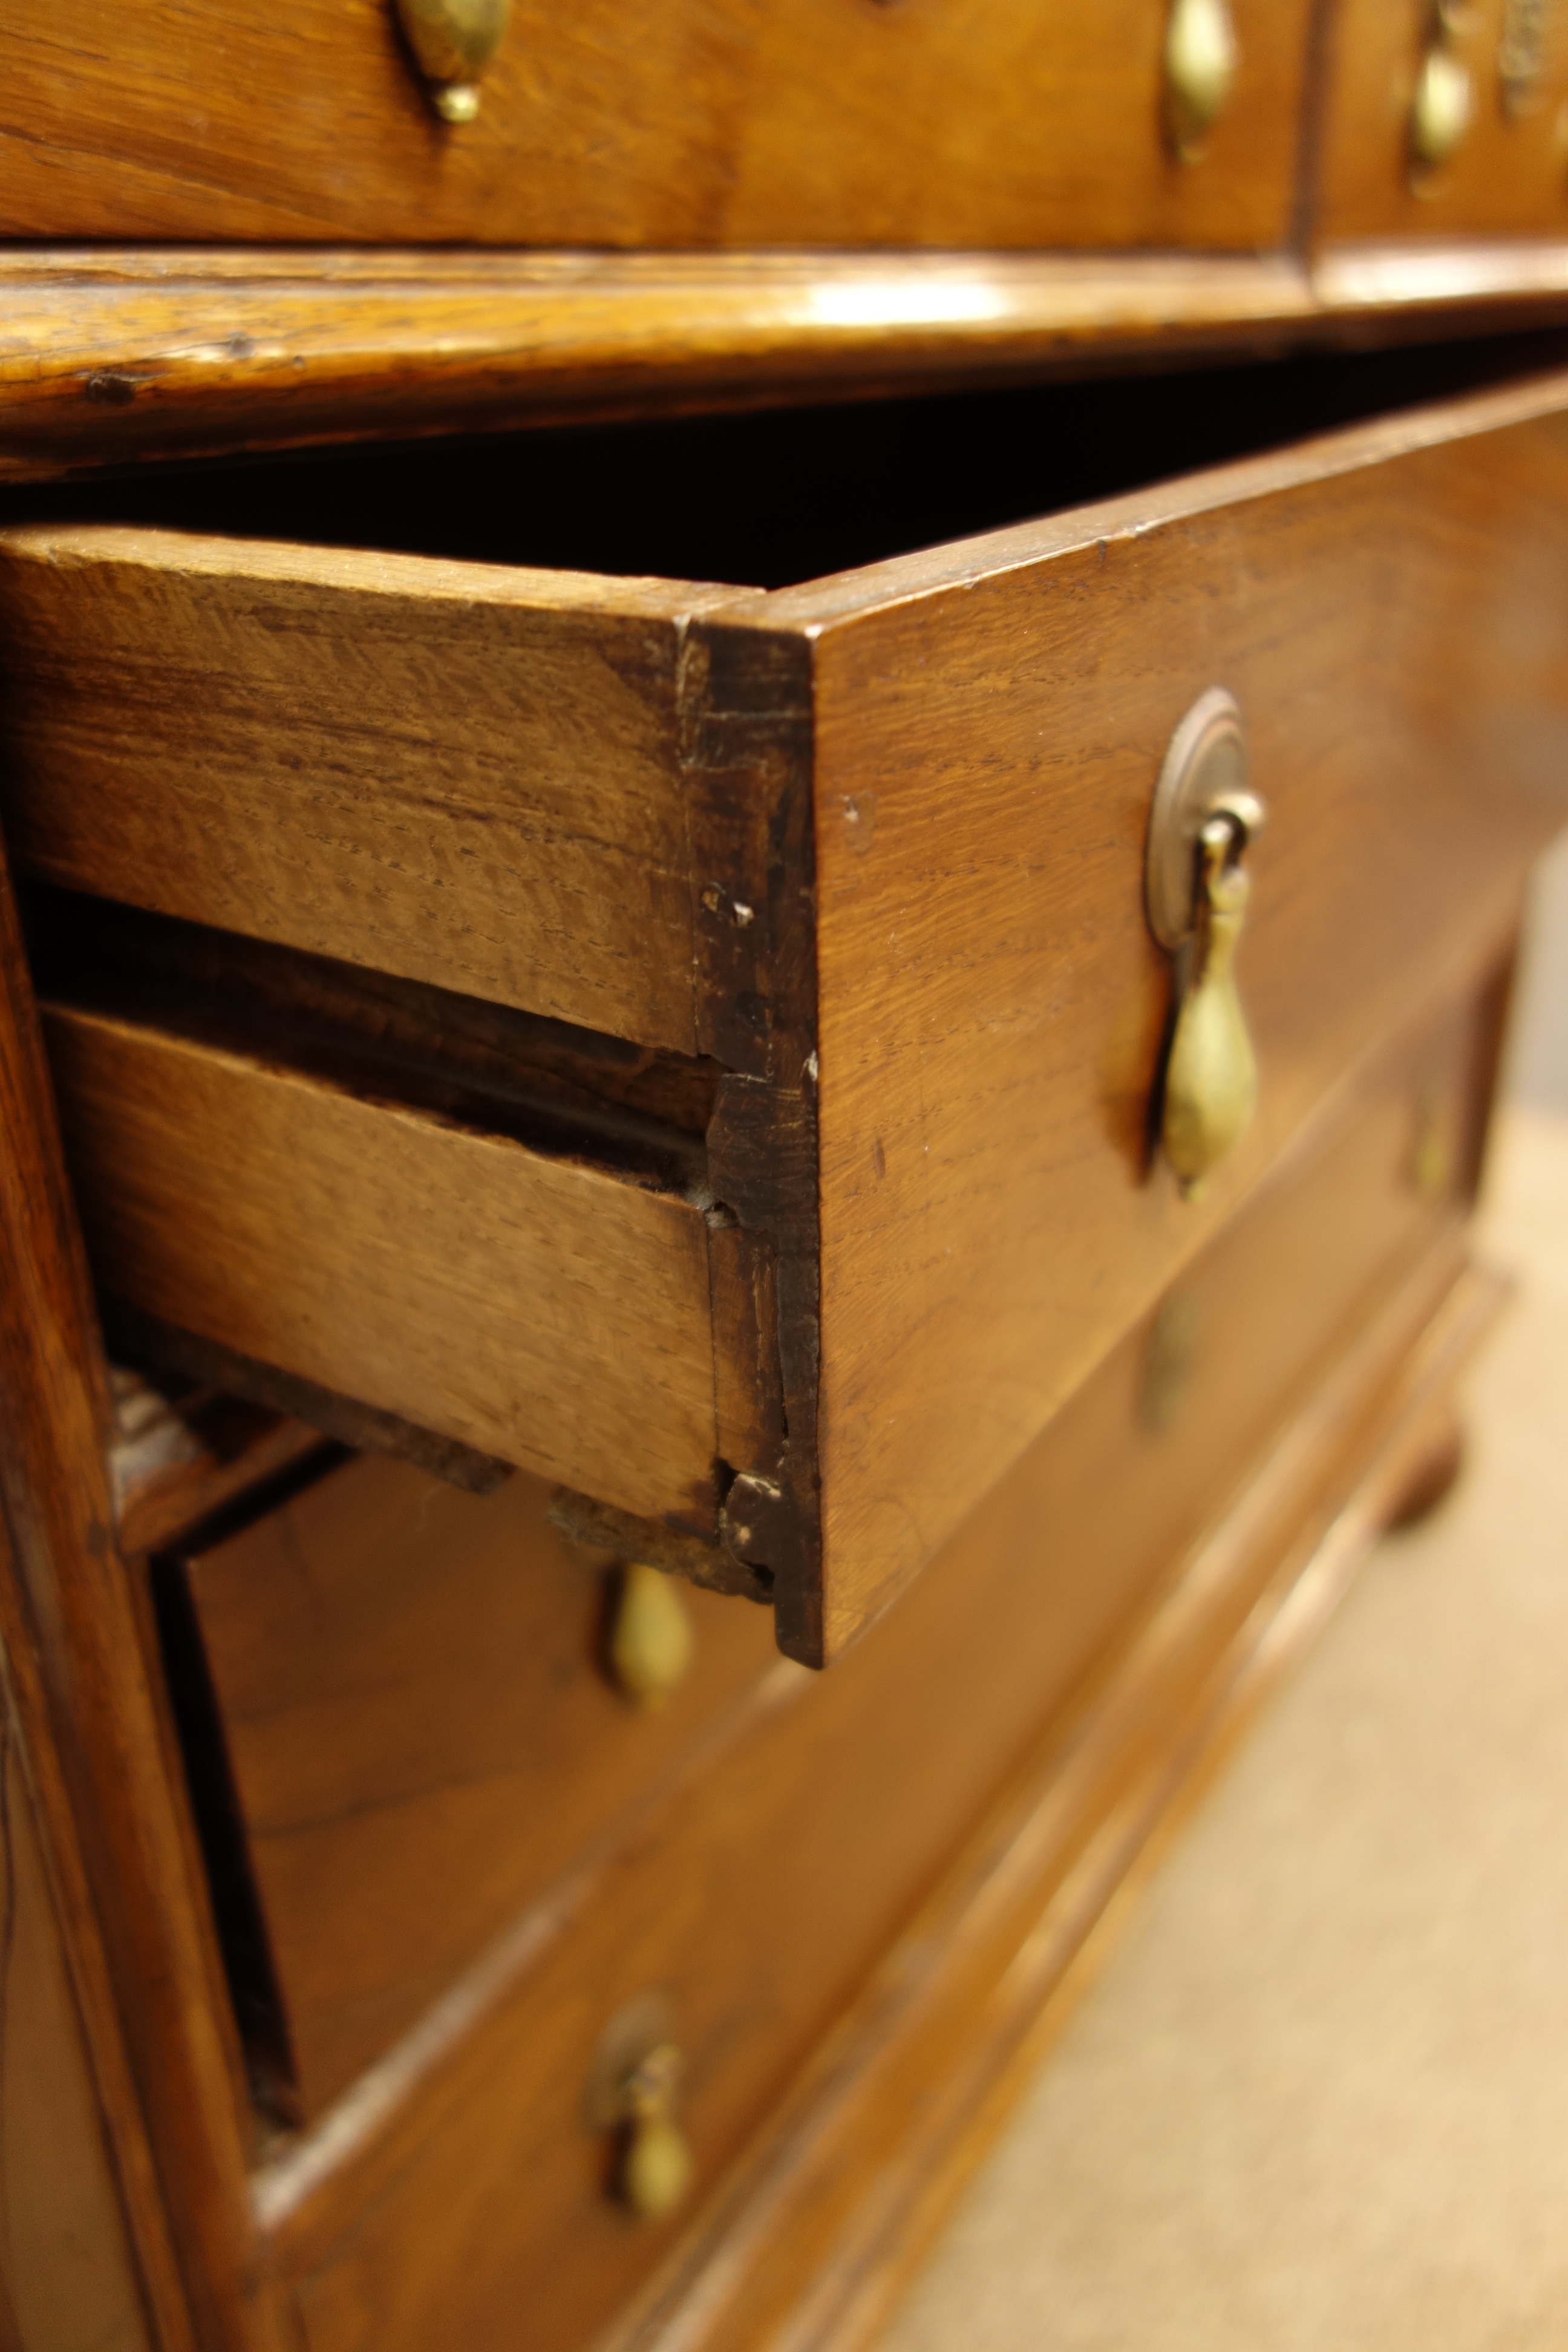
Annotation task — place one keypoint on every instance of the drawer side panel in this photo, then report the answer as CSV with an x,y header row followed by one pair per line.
x,y
464,774
1505,177
529,1307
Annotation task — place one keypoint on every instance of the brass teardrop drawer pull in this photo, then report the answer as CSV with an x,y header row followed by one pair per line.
x,y
453,41
1201,59
657,2166
1443,106
1204,817
651,1637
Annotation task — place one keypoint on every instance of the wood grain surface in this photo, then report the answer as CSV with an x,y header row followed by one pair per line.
x,y
715,122
1505,179
132,1907
459,772
67,2280
423,1735
531,1308
1389,604
759,1894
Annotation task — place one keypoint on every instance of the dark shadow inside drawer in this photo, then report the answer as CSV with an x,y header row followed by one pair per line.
x,y
784,495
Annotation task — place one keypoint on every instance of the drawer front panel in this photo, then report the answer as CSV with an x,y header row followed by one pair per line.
x,y
757,1898
530,1308
990,723
707,122
421,1734
1506,175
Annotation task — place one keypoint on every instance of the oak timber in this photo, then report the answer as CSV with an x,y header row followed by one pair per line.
x,y
531,1308
566,1091
713,122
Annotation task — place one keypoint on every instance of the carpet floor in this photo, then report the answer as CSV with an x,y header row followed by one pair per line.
x,y
1317,2101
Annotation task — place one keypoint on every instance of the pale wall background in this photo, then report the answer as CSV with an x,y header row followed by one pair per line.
x,y
1538,1049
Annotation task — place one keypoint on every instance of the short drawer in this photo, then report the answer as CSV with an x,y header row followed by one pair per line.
x,y
713,122
1504,63
748,1905
408,1691
701,1043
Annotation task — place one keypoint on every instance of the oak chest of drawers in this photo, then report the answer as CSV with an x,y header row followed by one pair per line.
x,y
626,1032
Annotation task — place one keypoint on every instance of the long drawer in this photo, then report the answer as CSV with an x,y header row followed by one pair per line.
x,y
709,122
1496,73
474,2178
411,1690
702,1044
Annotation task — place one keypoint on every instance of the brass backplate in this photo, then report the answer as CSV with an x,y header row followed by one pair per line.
x,y
1205,775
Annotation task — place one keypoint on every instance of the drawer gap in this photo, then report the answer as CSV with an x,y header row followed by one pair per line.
x,y
238,1917
638,1113
774,498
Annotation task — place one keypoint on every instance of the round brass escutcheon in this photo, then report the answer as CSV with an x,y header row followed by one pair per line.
x,y
1205,775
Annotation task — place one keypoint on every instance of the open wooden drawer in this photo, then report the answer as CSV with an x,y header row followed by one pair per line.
x,y
699,1044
